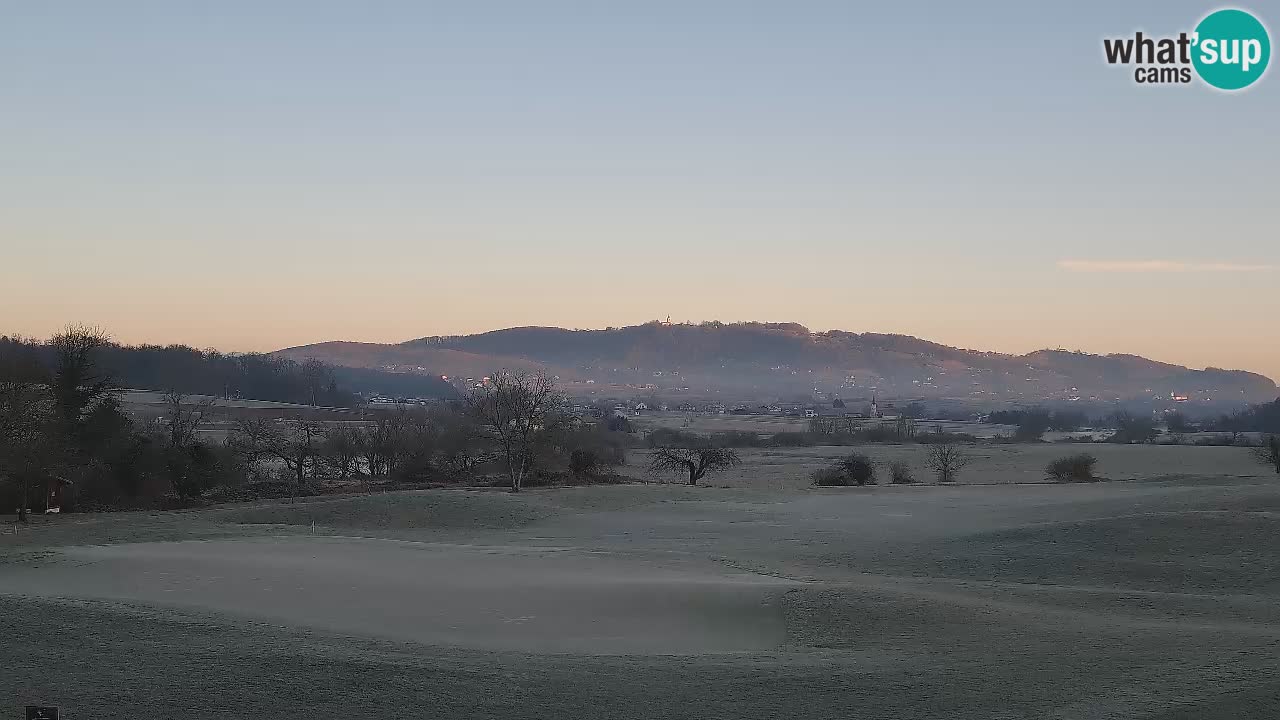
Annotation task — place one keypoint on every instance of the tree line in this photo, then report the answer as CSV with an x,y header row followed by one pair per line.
x,y
209,372
1262,418
191,371
66,441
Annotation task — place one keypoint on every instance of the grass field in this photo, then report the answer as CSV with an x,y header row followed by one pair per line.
x,y
1157,598
769,424
704,423
789,468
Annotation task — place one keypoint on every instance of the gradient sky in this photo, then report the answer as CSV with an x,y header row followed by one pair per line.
x,y
254,175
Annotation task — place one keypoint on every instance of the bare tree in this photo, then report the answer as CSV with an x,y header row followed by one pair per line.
x,y
295,443
316,376
521,409
946,460
1236,424
392,438
183,418
377,446
188,461
415,440
342,448
697,462
1269,451
461,444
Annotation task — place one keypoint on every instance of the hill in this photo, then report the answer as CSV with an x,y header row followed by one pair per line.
x,y
209,372
784,360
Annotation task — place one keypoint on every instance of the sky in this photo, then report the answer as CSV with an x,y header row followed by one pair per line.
x,y
251,176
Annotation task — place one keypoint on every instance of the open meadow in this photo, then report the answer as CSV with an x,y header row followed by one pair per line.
x,y
707,423
1158,597
782,468
792,468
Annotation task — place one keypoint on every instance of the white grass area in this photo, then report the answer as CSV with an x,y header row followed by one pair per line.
x,y
543,599
1113,599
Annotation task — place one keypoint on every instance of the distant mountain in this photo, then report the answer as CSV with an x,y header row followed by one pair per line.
x,y
783,360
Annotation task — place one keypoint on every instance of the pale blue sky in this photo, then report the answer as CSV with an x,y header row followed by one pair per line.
x,y
251,175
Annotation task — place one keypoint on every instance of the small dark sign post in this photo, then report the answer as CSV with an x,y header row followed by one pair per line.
x,y
41,713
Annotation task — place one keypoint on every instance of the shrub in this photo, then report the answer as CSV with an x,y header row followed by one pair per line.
x,y
900,473
281,487
668,437
618,423
859,468
1072,468
1268,451
227,494
736,438
945,437
792,439
856,469
830,477
583,463
879,434
197,468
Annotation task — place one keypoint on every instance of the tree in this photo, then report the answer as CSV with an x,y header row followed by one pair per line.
x,y
521,409
342,448
78,383
1237,424
378,444
415,440
1033,425
196,468
27,436
98,452
946,460
1178,422
461,444
317,380
618,423
837,403
904,427
695,461
193,467
1068,420
182,418
1269,451
583,463
1264,418
1131,428
295,443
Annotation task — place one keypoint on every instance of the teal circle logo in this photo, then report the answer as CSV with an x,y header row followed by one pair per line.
x,y
1231,49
